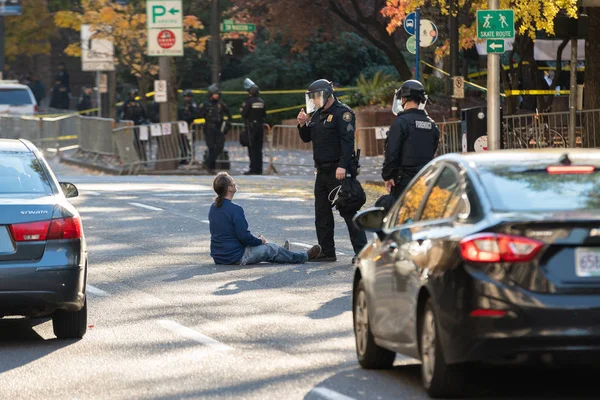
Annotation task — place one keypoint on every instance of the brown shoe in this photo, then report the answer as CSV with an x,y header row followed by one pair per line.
x,y
314,252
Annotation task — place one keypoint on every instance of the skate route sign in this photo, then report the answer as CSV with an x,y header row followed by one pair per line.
x,y
495,24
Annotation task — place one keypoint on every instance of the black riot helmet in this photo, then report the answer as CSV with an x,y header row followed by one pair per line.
x,y
410,90
317,94
254,90
188,93
134,93
213,89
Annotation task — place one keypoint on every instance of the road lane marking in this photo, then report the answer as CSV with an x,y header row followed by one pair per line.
x,y
147,207
90,193
330,394
96,291
192,334
182,194
308,246
205,221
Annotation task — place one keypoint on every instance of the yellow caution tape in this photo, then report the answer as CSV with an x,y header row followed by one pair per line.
x,y
506,67
535,92
466,82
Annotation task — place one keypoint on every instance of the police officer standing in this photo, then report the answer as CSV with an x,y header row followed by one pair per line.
x,y
214,111
412,140
134,111
254,112
188,113
85,100
330,126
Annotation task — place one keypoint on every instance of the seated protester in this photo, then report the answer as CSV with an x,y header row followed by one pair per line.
x,y
230,240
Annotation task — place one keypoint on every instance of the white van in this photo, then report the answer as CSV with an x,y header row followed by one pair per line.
x,y
16,98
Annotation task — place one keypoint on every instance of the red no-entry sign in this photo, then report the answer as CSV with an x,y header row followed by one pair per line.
x,y
166,39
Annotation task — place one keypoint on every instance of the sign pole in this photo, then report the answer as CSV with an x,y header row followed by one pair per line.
x,y
573,94
1,47
215,45
493,94
418,45
98,94
454,53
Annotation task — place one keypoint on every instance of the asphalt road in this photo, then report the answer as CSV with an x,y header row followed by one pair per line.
x,y
165,322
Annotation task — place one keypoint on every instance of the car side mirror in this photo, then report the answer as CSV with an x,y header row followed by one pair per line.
x,y
69,190
371,220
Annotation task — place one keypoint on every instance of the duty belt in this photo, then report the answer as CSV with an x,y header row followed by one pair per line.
x,y
327,166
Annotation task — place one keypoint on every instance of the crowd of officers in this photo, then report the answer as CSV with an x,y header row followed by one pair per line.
x,y
330,126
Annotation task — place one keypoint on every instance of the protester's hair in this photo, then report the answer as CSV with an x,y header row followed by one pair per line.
x,y
220,185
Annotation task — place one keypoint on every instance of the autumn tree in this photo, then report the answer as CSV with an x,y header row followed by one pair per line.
x,y
29,34
301,20
531,16
126,27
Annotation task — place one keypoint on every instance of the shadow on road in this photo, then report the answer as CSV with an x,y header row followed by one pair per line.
x,y
333,307
20,344
404,382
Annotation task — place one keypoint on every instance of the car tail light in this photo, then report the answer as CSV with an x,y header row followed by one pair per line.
x,y
485,312
491,247
30,232
570,169
63,228
36,108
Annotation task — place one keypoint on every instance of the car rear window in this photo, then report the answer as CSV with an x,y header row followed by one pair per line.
x,y
537,190
22,173
15,97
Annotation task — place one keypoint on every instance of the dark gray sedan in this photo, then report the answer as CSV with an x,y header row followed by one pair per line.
x,y
43,255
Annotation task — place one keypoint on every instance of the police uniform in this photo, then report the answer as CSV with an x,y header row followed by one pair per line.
x,y
331,132
133,111
187,113
213,111
411,143
254,112
60,97
84,103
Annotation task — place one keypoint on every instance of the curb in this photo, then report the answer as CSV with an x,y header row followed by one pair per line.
x,y
83,164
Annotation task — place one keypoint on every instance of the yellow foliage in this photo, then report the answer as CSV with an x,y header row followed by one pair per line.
x,y
530,15
29,33
127,29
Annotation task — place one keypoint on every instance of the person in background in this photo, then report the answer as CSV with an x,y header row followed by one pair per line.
x,y
85,100
231,242
188,113
39,90
60,96
214,111
134,111
254,112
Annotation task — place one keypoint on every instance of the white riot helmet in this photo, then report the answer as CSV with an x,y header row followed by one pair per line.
x,y
317,95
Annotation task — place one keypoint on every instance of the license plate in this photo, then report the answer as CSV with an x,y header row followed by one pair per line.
x,y
587,262
6,244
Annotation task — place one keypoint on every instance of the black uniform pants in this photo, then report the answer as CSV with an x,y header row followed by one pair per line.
x,y
215,141
325,183
255,149
401,184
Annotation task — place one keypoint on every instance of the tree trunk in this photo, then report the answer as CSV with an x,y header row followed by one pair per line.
x,y
592,60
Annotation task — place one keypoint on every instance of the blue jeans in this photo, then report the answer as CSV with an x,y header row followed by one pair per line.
x,y
272,253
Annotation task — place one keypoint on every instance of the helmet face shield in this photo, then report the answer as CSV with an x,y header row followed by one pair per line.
x,y
315,101
397,106
248,83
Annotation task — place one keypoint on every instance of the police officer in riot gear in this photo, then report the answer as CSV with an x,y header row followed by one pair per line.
x,y
412,140
214,112
254,112
134,111
188,113
330,126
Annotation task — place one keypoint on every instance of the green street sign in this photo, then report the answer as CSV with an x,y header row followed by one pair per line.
x,y
230,26
495,46
164,14
495,24
411,44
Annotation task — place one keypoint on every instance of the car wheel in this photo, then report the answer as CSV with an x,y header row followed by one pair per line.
x,y
70,324
440,379
369,355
